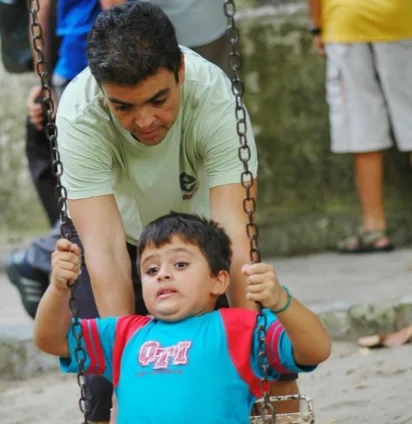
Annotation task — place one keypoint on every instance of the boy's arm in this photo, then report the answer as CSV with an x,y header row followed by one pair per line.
x,y
53,317
310,341
52,322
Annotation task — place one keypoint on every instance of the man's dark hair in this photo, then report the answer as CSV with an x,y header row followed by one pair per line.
x,y
131,42
211,239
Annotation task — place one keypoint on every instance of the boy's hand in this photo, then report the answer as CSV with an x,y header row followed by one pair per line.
x,y
263,286
66,261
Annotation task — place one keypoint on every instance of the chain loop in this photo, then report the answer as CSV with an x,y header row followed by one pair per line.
x,y
48,106
249,202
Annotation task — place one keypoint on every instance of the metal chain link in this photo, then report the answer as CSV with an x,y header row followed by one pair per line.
x,y
249,202
61,194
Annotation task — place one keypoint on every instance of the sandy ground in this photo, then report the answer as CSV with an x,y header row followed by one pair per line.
x,y
354,387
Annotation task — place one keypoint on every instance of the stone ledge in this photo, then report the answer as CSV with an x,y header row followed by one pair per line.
x,y
20,359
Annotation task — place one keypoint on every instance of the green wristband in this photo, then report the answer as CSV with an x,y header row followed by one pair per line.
x,y
278,311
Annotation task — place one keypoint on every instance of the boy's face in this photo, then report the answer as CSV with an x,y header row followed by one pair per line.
x,y
177,282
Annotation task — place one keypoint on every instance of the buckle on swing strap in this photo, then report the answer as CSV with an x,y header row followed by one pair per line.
x,y
292,418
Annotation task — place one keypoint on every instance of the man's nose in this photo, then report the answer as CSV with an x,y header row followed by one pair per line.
x,y
144,120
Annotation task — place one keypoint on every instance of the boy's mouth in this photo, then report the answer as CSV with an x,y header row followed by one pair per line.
x,y
165,292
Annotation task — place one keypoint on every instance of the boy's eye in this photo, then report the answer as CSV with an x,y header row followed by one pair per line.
x,y
152,270
181,265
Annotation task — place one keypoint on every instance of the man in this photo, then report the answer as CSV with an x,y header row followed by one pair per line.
x,y
368,46
148,128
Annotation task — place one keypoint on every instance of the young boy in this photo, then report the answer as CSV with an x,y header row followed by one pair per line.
x,y
156,363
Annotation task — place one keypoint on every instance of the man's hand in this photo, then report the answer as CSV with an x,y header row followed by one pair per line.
x,y
66,262
263,286
318,46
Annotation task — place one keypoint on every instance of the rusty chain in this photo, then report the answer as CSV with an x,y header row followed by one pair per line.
x,y
249,202
48,106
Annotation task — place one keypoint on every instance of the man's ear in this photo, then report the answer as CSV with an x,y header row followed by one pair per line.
x,y
221,283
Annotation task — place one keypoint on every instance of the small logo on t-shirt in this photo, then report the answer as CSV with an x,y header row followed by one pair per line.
x,y
188,185
162,357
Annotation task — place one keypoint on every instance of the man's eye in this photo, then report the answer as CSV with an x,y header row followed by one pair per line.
x,y
181,265
158,102
122,108
152,271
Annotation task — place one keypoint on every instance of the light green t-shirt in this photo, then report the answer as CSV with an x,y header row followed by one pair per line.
x,y
200,151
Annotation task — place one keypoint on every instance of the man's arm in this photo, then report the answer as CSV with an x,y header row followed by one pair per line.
x,y
100,228
226,204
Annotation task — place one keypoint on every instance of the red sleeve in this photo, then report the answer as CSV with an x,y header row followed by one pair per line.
x,y
239,325
91,338
126,327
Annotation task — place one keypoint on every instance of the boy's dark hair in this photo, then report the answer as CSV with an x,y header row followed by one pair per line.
x,y
131,42
211,239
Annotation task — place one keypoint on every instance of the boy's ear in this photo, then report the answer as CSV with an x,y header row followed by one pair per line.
x,y
221,283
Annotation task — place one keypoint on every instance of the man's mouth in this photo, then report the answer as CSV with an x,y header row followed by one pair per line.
x,y
148,134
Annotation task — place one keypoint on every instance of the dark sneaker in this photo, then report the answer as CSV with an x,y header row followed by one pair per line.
x,y
30,282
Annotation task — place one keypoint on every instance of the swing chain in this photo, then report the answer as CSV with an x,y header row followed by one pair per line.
x,y
249,202
48,106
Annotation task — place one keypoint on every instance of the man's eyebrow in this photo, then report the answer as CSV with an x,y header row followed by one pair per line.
x,y
160,93
119,102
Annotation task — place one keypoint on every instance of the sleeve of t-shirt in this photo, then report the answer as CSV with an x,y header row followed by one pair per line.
x,y
86,157
279,349
219,141
98,343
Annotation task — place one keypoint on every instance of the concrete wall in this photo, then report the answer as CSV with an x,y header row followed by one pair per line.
x,y
307,196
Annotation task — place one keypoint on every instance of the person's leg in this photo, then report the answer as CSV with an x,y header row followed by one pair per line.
x,y
360,125
369,174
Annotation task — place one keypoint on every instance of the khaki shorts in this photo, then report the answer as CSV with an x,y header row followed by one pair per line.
x,y
369,92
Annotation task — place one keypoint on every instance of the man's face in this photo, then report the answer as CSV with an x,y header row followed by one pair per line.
x,y
149,109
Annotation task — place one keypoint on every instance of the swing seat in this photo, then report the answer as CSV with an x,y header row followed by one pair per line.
x,y
292,418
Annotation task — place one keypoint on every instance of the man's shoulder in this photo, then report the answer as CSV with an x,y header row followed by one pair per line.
x,y
204,81
82,95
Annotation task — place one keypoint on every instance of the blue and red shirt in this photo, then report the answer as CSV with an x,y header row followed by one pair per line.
x,y
203,369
